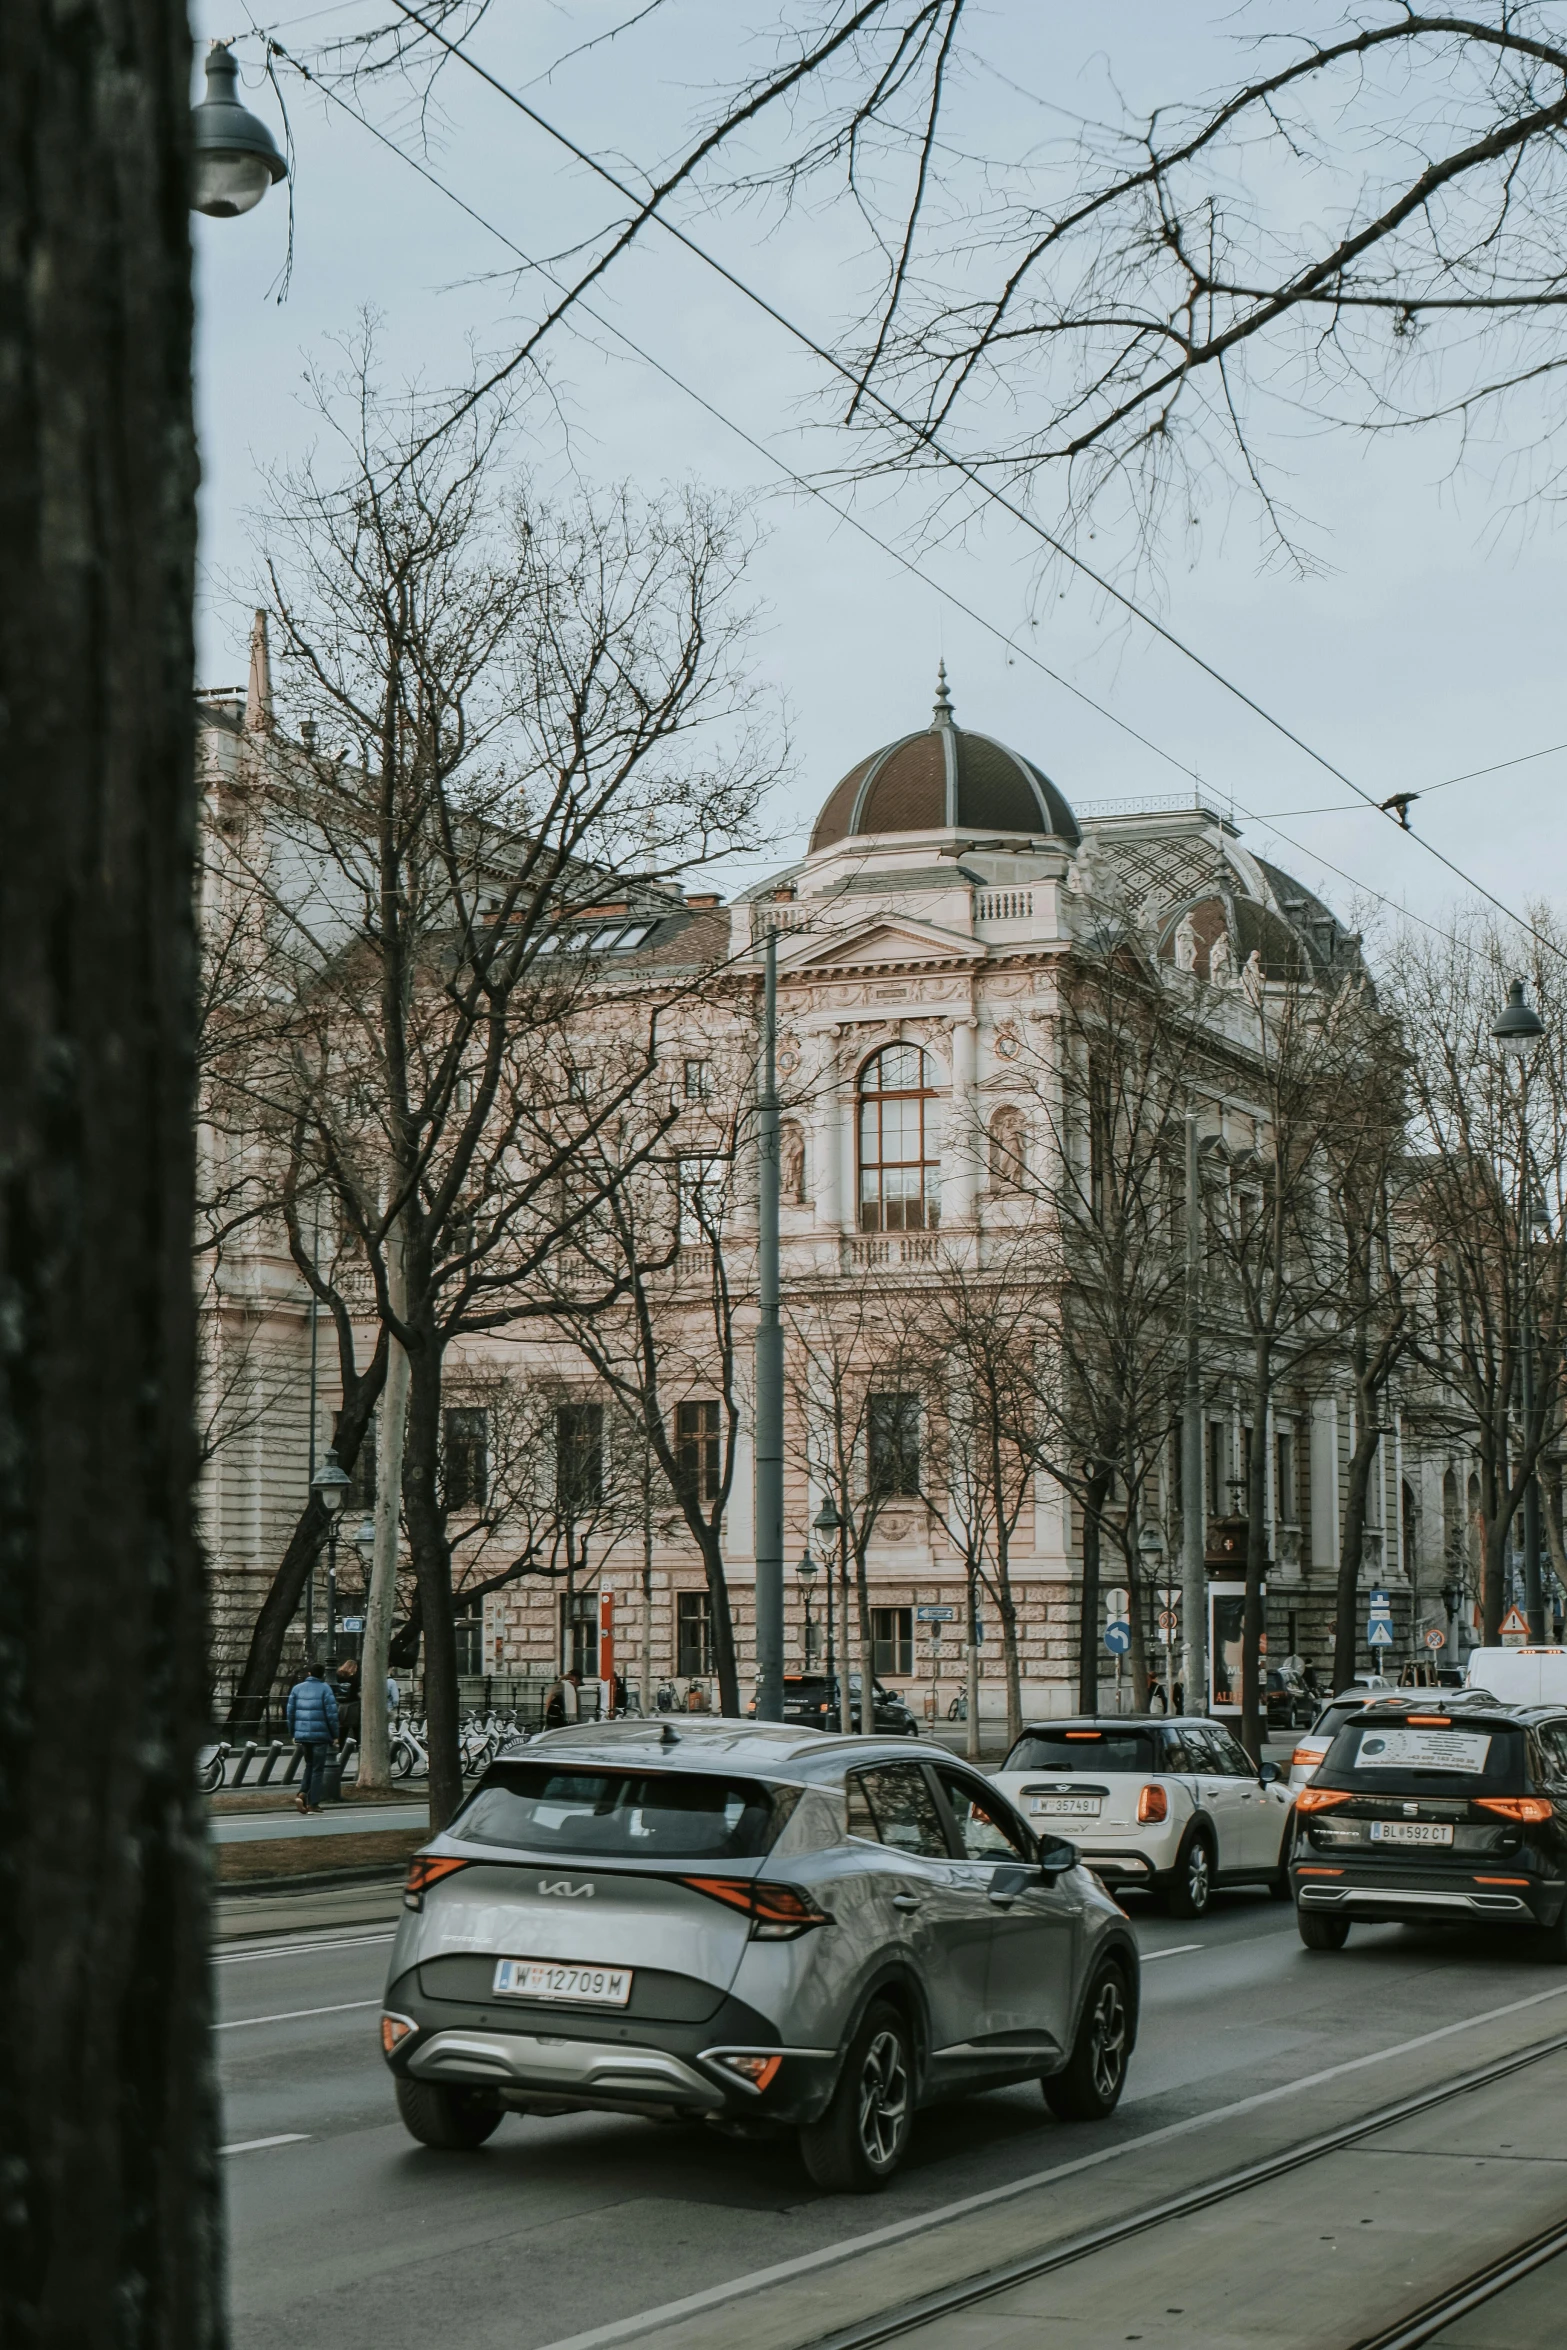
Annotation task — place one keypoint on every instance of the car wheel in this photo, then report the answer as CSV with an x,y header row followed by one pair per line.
x,y
1279,1882
1320,1933
1550,1942
1090,2084
454,2120
862,2137
1191,1887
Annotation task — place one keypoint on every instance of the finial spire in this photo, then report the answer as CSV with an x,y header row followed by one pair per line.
x,y
258,691
942,714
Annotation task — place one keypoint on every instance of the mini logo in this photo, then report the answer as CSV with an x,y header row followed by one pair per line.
x,y
565,1888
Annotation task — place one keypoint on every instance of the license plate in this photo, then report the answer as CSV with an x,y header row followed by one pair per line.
x,y
1066,1807
543,1978
1409,1832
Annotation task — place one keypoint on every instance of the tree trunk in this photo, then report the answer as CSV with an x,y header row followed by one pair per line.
x,y
721,1625
375,1766
1137,1660
432,1561
1088,1608
281,1604
109,2224
1357,1485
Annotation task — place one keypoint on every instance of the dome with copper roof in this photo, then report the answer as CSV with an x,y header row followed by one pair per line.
x,y
945,779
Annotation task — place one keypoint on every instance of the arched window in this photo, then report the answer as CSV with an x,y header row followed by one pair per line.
x,y
1008,1149
900,1142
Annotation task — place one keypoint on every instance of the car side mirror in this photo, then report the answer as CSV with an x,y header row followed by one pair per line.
x,y
1268,1773
1056,1856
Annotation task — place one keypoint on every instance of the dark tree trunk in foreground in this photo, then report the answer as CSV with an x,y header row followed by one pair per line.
x,y
109,2231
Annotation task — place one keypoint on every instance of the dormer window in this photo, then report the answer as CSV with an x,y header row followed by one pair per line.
x,y
900,1142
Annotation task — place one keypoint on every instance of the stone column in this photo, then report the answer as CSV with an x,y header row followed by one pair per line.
x,y
827,1135
960,1144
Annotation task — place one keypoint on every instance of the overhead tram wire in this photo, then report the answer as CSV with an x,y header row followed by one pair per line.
x,y
959,465
813,490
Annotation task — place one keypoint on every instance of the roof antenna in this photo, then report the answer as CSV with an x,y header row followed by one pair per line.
x,y
942,714
669,1735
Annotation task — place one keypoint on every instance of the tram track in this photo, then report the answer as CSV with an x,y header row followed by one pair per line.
x,y
1411,2330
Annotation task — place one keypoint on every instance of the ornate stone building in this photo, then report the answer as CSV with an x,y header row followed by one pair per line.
x,y
921,941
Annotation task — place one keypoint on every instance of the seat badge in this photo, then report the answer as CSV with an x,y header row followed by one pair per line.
x,y
1411,1811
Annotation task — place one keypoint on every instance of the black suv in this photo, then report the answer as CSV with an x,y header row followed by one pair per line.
x,y
1442,1807
812,1698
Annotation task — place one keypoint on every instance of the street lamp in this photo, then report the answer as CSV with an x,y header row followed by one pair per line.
x,y
330,1487
234,157
806,1570
830,1526
1517,1032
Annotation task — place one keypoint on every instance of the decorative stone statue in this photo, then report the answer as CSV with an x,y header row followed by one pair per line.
x,y
791,1165
1221,962
1186,943
1251,976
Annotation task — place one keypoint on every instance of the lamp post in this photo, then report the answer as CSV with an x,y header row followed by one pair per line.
x,y
827,1524
1152,1551
1517,1032
330,1487
234,157
806,1570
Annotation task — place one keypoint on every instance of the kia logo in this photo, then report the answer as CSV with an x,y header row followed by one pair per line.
x,y
565,1888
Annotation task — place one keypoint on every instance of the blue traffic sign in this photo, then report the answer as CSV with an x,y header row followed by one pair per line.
x,y
1118,1638
1380,1634
936,1615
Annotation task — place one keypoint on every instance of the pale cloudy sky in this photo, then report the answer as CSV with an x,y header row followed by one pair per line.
x,y
1428,645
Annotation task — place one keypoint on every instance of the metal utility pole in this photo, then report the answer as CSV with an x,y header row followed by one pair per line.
x,y
1194,1579
769,1368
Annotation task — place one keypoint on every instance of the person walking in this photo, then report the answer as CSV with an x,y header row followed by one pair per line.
x,y
563,1704
312,1724
346,1698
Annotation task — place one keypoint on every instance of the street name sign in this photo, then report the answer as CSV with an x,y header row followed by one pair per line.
x,y
936,1615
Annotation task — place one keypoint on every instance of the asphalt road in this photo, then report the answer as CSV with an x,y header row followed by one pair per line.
x,y
343,2231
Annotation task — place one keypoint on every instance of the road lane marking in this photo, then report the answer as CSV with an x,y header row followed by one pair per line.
x,y
829,2255
300,1949
1179,1950
254,2145
294,2015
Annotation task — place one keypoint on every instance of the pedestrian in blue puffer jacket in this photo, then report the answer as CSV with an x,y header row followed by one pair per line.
x,y
312,1723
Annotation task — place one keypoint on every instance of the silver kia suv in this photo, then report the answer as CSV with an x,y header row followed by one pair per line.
x,y
754,1926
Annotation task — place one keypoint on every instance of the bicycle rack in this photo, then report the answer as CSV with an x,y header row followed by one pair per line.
x,y
247,1757
270,1765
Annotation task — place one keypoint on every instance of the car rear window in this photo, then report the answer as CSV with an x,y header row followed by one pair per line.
x,y
1410,1758
1085,1750
632,1815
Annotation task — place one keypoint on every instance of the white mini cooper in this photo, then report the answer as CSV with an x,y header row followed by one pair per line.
x,y
1169,1807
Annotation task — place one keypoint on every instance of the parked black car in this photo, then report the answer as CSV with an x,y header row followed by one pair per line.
x,y
813,1698
1437,1807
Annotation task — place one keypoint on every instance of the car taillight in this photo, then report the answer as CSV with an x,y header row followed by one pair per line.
x,y
1319,1798
424,1872
756,2071
1153,1804
1531,1808
395,2029
777,1912
1306,1758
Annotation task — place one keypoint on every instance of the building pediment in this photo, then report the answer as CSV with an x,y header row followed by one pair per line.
x,y
885,943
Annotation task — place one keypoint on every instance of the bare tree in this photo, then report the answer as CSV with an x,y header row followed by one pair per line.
x,y
110,2226
854,1426
498,708
671,1353
1489,1188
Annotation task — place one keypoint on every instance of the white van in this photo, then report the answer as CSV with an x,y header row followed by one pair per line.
x,y
1520,1676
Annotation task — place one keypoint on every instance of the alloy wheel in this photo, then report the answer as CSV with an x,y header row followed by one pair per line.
x,y
1109,2038
1198,1885
884,2099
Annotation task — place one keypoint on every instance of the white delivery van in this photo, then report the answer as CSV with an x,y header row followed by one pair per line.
x,y
1520,1676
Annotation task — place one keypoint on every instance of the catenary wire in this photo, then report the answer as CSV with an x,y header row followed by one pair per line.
x,y
946,456
814,490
